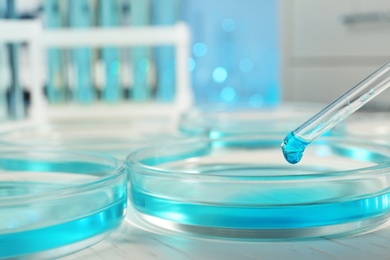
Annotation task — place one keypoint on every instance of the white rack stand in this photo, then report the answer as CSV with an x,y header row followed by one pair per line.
x,y
39,39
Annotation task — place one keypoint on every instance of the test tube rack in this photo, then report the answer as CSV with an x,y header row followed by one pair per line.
x,y
39,40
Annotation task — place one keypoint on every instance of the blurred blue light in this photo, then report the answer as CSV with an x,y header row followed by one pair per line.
x,y
247,55
219,74
256,100
228,94
199,49
246,65
191,64
228,25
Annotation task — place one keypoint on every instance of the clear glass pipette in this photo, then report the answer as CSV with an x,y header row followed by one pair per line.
x,y
295,142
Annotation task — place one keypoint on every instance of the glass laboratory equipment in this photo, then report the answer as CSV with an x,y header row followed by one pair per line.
x,y
296,141
116,136
240,187
222,120
53,203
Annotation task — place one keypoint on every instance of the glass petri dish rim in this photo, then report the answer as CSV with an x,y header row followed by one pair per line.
x,y
264,208
203,118
61,136
134,161
49,128
119,169
378,130
84,198
291,107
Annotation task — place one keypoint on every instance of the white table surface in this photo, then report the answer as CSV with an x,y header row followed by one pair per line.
x,y
135,240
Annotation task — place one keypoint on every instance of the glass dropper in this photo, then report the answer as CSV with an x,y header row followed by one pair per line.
x,y
295,142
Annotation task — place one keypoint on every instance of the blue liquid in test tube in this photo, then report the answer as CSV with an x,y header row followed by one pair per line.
x,y
80,16
109,17
165,13
4,82
56,89
16,99
140,16
4,71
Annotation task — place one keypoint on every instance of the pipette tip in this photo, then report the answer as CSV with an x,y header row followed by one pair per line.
x,y
293,148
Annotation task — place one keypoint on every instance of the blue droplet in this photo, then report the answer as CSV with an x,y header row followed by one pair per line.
x,y
199,49
228,25
219,74
246,65
228,94
293,148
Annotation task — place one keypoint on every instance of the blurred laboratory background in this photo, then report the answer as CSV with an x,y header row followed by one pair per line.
x,y
240,53
111,77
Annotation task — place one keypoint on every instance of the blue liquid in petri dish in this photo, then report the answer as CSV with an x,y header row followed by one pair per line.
x,y
293,148
46,224
261,217
55,236
263,199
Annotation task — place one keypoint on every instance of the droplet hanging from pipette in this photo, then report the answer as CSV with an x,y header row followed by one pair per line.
x,y
293,148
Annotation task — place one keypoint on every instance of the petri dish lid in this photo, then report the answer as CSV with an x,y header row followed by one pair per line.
x,y
219,121
241,187
53,203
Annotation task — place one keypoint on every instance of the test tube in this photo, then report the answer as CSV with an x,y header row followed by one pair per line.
x,y
80,16
140,16
4,70
295,142
16,97
165,13
56,89
108,13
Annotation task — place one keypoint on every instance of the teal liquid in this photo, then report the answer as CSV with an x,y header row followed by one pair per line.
x,y
293,148
41,239
262,217
53,217
81,16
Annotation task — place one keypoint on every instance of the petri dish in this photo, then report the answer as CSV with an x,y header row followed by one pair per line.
x,y
241,187
218,121
113,136
370,126
53,203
